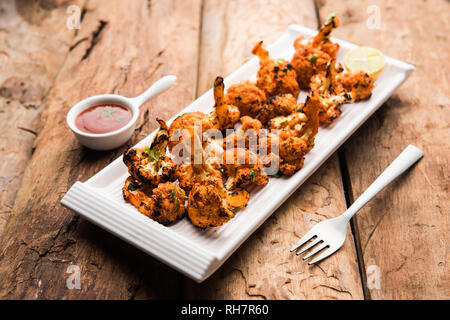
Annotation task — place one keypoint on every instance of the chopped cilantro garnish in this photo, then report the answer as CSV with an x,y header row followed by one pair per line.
x,y
253,174
331,16
176,194
107,112
312,58
153,154
299,108
278,61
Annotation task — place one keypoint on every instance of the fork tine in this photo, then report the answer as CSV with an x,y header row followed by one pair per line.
x,y
320,247
303,240
312,244
324,255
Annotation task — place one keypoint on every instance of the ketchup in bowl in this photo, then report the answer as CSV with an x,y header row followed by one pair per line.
x,y
103,118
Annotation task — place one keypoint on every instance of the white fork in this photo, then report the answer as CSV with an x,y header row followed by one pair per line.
x,y
331,234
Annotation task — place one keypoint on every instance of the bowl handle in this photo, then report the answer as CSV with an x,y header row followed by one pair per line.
x,y
155,89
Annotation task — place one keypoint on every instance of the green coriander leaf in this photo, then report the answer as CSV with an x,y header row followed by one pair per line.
x,y
278,61
107,112
312,58
253,174
153,155
183,195
331,16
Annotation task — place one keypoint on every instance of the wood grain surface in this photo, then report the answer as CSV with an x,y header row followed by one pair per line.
x,y
161,38
34,43
404,231
399,240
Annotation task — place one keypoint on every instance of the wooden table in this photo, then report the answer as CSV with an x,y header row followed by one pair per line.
x,y
397,247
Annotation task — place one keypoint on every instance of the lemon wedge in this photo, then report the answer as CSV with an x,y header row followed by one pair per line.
x,y
367,59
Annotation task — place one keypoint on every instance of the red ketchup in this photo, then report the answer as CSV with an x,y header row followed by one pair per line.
x,y
103,118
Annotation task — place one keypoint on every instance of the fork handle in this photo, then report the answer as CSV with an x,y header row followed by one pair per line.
x,y
406,159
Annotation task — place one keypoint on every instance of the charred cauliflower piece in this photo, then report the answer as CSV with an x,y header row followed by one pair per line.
x,y
243,168
191,126
210,204
150,164
336,87
312,56
207,205
322,39
331,92
358,83
295,144
282,105
224,114
275,76
184,128
247,97
307,62
246,136
188,174
165,205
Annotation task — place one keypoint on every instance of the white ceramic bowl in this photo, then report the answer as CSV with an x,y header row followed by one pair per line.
x,y
114,139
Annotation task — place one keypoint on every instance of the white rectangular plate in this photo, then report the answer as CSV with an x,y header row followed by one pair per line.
x,y
198,253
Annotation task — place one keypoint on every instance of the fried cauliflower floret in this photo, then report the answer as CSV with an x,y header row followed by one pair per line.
x,y
311,56
188,174
269,157
336,87
165,205
331,92
132,192
250,123
292,154
183,128
189,128
150,164
295,144
237,197
243,168
207,205
246,136
293,122
275,76
210,203
322,38
247,97
307,62
168,203
359,83
226,115
327,82
281,105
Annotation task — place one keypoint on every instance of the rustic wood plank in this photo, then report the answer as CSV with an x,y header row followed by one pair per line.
x,y
34,42
263,268
404,230
122,47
